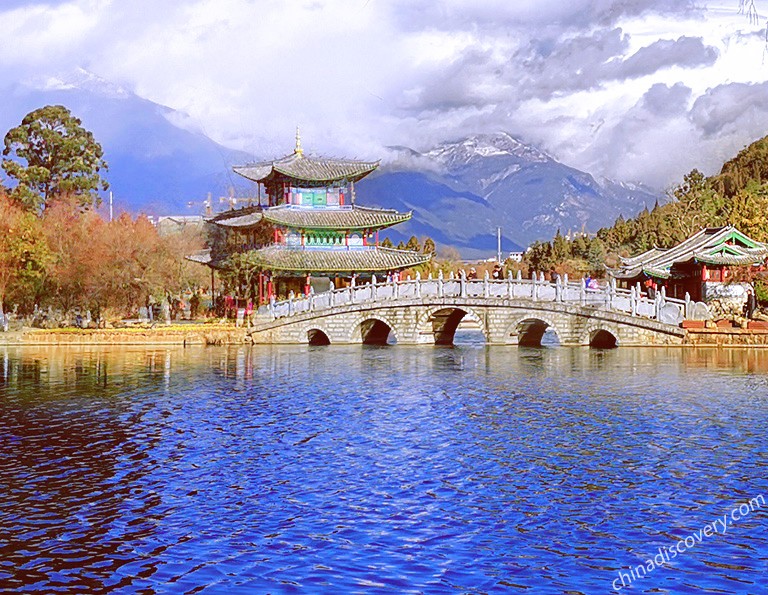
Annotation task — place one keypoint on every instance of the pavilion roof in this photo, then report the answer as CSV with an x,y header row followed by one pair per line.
x,y
345,217
201,257
350,217
307,168
711,245
243,217
358,259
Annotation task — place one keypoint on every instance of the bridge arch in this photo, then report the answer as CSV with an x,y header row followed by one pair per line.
x,y
529,330
442,321
600,336
372,330
316,336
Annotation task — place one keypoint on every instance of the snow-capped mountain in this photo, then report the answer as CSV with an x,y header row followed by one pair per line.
x,y
461,192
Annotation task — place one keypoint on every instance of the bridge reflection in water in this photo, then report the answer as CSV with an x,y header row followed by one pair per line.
x,y
512,311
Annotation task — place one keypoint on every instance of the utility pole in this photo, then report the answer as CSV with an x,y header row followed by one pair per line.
x,y
110,205
498,245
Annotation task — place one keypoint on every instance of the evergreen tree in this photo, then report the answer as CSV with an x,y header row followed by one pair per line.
x,y
748,211
560,249
50,156
580,247
413,244
538,257
596,255
387,243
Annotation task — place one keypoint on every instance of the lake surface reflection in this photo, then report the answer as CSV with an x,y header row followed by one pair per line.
x,y
392,469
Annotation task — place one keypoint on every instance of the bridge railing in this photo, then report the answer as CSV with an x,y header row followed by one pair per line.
x,y
609,297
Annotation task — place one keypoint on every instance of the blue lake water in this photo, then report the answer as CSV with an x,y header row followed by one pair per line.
x,y
381,470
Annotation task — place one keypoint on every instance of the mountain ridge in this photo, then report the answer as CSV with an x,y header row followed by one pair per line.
x,y
486,181
460,192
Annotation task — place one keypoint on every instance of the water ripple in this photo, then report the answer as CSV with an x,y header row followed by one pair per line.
x,y
379,470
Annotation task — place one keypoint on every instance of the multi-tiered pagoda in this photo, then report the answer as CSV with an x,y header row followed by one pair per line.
x,y
306,229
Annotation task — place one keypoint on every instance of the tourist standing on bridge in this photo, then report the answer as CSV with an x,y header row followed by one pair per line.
x,y
650,289
750,304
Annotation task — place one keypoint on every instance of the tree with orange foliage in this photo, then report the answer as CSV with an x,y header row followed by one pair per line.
x,y
113,267
73,238
24,254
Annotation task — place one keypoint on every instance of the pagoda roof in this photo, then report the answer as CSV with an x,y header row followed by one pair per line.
x,y
201,257
711,245
350,217
307,168
243,217
322,260
357,259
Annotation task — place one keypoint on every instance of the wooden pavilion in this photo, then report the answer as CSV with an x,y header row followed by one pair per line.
x,y
307,230
697,266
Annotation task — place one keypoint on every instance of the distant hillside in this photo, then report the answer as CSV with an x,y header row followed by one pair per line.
x,y
155,165
750,166
461,192
738,196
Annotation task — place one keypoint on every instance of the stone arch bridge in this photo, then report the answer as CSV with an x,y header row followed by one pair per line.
x,y
509,312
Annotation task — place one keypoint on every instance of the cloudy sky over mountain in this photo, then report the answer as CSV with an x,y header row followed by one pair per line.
x,y
632,89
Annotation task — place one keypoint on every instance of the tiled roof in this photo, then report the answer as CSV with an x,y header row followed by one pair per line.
x,y
241,217
201,256
731,259
312,169
656,273
247,220
343,218
712,245
311,260
352,217
640,258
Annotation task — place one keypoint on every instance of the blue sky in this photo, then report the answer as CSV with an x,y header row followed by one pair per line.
x,y
640,90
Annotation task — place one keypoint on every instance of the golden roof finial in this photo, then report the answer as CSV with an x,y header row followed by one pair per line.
x,y
298,150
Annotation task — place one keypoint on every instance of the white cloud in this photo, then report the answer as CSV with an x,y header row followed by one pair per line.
x,y
587,79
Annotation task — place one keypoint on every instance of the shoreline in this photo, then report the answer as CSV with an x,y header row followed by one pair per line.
x,y
180,334
229,334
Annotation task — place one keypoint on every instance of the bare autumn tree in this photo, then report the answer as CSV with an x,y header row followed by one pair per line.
x,y
748,8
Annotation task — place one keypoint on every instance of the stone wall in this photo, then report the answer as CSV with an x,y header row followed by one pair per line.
x,y
727,337
194,335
